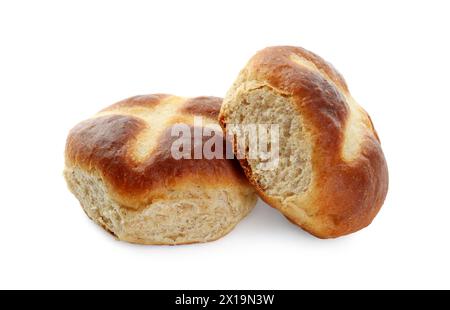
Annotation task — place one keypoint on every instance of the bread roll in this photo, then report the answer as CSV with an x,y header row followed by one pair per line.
x,y
119,165
331,178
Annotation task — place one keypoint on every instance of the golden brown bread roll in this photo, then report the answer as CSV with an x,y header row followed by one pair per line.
x,y
120,166
331,178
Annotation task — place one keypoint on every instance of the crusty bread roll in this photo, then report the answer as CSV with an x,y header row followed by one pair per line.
x,y
331,178
120,166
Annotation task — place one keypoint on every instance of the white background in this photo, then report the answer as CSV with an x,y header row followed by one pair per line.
x,y
61,61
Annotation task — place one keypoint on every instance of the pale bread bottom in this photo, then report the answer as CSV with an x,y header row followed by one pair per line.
x,y
197,214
